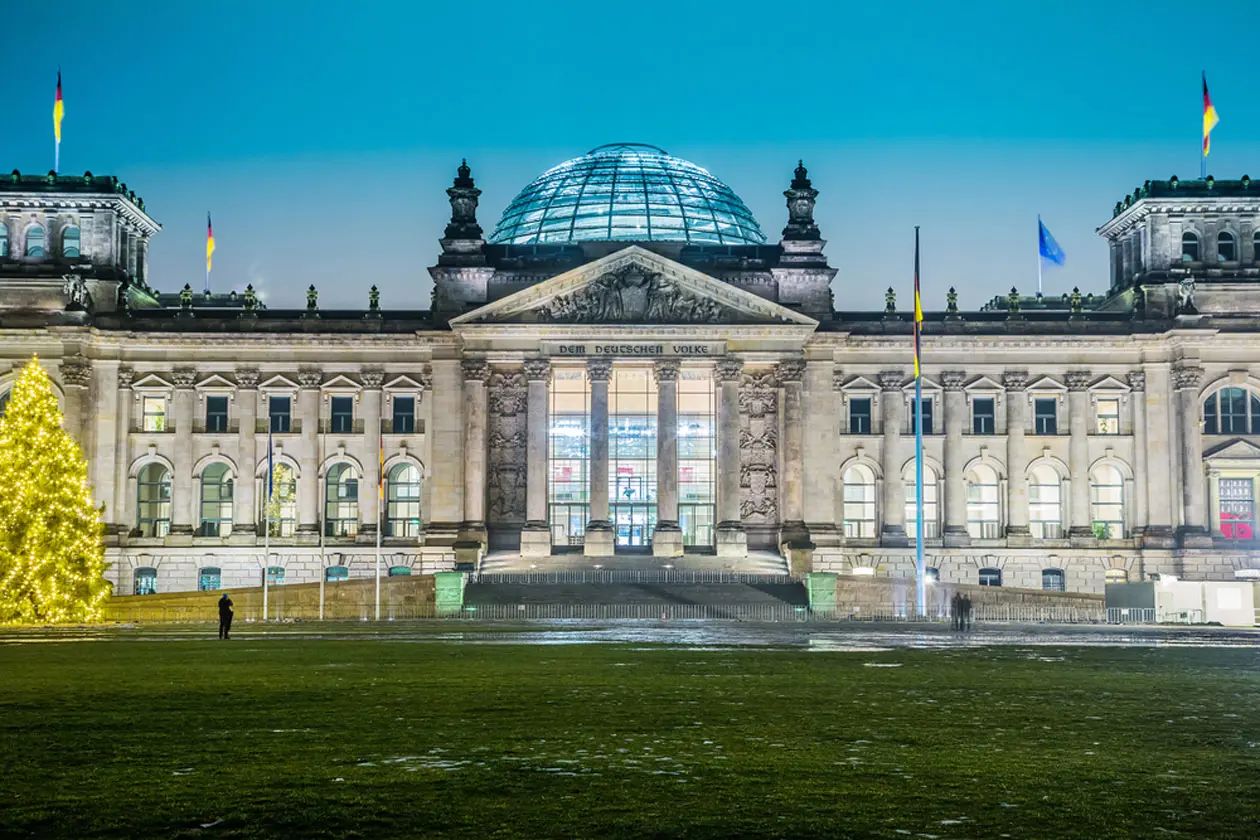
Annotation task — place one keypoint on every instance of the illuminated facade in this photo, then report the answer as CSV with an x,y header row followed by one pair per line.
x,y
626,368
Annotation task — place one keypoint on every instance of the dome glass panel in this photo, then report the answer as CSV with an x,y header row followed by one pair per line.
x,y
627,192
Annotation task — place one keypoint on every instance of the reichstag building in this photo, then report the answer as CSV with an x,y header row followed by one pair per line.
x,y
627,366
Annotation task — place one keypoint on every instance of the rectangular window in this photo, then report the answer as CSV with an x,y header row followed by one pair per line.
x,y
404,415
927,416
154,409
1108,416
1238,508
983,416
280,409
342,415
1233,411
209,579
216,414
860,416
1045,417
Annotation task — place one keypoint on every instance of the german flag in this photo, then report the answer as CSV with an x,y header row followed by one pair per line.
x,y
59,110
1210,119
918,305
209,243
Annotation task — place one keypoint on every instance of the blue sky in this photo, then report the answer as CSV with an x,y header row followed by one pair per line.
x,y
323,136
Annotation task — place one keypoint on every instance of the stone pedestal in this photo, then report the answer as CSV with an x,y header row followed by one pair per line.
x,y
731,541
535,540
599,539
800,560
667,540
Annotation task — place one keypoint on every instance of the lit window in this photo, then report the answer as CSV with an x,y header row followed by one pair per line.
x,y
402,512
1116,576
1237,507
216,501
335,573
983,508
1226,248
1053,580
281,509
341,508
154,414
568,453
1189,247
145,580
1106,495
216,414
35,241
279,409
1046,417
209,579
70,242
860,416
697,457
4,240
983,416
404,415
399,571
153,501
1045,507
927,416
1231,411
1107,413
931,527
990,577
342,415
859,502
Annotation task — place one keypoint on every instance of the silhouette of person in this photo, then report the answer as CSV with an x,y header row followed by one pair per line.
x,y
966,612
955,611
225,617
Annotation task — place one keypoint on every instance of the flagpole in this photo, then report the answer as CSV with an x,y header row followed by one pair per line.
x,y
323,527
1038,255
57,157
1202,145
918,441
267,526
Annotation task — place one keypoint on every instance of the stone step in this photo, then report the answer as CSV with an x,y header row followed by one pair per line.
x,y
709,594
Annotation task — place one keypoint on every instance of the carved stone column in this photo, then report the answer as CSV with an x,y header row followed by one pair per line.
x,y
309,514
369,488
599,531
955,533
536,535
894,502
76,376
1193,531
667,539
124,504
1017,530
1078,452
730,537
184,505
473,528
791,374
245,508
1137,384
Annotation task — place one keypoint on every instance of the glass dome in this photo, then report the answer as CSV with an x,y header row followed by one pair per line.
x,y
627,192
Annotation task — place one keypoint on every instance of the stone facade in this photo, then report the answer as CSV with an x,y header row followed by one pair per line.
x,y
1069,444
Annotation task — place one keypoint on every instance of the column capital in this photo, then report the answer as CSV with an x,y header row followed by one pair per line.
x,y
837,380
184,378
1137,380
125,375
373,378
1015,380
891,380
729,370
1078,380
247,378
310,378
475,370
76,371
599,369
791,370
952,380
1186,376
666,371
537,369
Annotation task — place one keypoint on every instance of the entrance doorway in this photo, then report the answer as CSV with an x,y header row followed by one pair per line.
x,y
696,522
634,524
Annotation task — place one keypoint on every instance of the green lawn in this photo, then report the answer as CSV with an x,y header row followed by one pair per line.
x,y
379,738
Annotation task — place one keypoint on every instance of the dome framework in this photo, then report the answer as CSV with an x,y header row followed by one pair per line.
x,y
627,192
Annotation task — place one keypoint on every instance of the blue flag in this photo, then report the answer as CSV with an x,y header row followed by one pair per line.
x,y
1049,249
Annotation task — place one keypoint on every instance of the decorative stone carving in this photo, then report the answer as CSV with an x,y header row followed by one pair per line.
x,y
463,194
506,480
247,378
1137,380
632,294
184,377
76,371
952,380
125,376
75,289
475,370
837,381
800,204
1077,380
309,377
792,370
372,379
425,377
1185,376
666,371
599,369
759,449
891,380
537,369
729,369
1185,298
1015,380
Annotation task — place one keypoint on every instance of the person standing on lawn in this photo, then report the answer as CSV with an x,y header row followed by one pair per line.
x,y
225,617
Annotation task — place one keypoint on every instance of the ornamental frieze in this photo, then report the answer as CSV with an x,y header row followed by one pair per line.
x,y
634,295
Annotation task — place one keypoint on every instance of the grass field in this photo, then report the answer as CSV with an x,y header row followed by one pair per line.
x,y
296,737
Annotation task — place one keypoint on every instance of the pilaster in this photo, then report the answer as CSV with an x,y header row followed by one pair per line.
x,y
1193,532
245,508
1078,453
184,504
369,489
891,406
122,501
536,535
473,529
1017,530
309,380
955,531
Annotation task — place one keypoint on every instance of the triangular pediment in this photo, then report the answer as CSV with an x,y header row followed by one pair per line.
x,y
279,382
860,383
633,286
341,382
215,382
403,383
1109,383
1046,383
151,382
929,384
1234,450
984,383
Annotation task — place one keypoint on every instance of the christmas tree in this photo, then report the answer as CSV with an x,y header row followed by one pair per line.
x,y
52,562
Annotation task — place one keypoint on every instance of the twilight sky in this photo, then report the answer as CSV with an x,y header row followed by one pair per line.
x,y
322,136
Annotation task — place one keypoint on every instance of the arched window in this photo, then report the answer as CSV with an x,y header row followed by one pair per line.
x,y
1226,247
990,577
341,505
984,516
399,571
35,241
209,579
1045,503
335,573
1115,576
931,527
4,402
1231,411
153,501
1189,247
1053,580
281,509
216,501
1106,502
402,511
70,242
4,240
859,502
145,580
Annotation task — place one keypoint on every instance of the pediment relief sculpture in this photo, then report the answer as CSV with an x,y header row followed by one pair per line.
x,y
633,294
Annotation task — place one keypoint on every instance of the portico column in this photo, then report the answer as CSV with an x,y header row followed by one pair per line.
x,y
791,374
730,537
891,406
369,488
536,535
1193,531
1016,456
955,533
308,455
599,531
245,513
122,485
183,505
667,538
476,372
1078,451
1137,384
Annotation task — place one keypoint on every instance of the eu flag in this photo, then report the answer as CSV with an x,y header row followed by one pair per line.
x,y
1050,249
